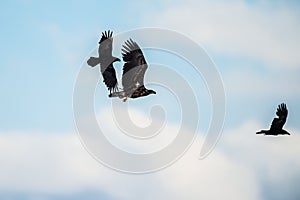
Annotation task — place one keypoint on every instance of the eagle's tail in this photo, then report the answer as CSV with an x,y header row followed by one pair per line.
x,y
93,61
262,132
121,95
114,94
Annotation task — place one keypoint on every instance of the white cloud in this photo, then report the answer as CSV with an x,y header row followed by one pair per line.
x,y
238,168
215,177
274,160
58,164
115,130
261,31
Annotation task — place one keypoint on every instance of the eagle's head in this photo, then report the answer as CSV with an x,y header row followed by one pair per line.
x,y
151,92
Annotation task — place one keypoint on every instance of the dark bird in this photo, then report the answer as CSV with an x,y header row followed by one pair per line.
x,y
106,60
277,123
133,72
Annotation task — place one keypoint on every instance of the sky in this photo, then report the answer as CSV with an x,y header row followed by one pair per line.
x,y
254,46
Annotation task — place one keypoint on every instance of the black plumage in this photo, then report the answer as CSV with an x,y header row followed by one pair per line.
x,y
277,123
106,60
133,72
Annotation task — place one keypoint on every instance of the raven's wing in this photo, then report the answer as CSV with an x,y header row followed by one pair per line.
x,y
282,112
105,45
135,65
110,79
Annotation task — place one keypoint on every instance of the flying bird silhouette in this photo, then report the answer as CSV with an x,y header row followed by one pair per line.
x,y
133,73
277,123
106,60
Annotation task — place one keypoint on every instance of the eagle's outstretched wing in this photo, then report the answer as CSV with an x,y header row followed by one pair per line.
x,y
135,66
282,112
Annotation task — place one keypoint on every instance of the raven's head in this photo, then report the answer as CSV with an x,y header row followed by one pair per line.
x,y
116,59
284,132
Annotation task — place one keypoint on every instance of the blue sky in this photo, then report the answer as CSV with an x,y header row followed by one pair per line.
x,y
254,45
46,67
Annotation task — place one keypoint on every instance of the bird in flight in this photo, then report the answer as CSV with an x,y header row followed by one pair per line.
x,y
277,123
133,73
106,60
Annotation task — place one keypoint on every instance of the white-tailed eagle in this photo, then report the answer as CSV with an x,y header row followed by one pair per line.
x,y
133,73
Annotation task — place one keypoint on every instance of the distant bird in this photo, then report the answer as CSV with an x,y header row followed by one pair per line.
x,y
133,73
277,123
106,60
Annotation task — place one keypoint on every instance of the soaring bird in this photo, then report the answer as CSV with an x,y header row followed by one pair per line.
x,y
277,123
133,72
106,60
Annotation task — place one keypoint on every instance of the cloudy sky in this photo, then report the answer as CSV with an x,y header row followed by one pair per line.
x,y
255,48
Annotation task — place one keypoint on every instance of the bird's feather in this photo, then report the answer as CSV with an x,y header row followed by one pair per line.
x,y
135,65
93,61
106,61
282,112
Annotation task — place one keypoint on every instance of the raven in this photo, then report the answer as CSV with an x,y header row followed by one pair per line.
x,y
106,61
277,123
133,72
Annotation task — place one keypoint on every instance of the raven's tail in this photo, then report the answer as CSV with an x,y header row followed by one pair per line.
x,y
93,61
